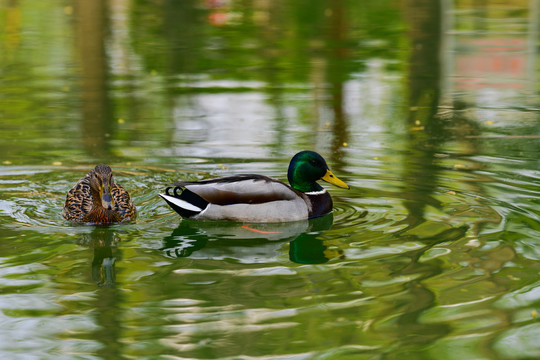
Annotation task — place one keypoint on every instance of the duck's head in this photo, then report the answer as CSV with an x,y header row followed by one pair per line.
x,y
101,183
306,168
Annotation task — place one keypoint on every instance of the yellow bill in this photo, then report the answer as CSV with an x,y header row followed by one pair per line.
x,y
329,177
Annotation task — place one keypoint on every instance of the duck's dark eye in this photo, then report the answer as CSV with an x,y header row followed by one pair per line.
x,y
313,162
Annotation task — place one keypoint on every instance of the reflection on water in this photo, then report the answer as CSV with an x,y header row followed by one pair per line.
x,y
250,243
428,109
97,119
309,247
103,241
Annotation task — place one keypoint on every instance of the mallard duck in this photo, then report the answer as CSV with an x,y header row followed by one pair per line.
x,y
98,199
258,198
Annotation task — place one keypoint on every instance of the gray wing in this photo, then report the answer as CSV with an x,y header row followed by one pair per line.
x,y
245,189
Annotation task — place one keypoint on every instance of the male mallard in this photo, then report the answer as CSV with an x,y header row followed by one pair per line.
x,y
258,198
97,199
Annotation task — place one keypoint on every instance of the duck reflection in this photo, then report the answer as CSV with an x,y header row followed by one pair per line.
x,y
103,241
253,242
309,248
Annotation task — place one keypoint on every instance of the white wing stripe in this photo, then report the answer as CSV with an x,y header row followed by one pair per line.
x,y
181,203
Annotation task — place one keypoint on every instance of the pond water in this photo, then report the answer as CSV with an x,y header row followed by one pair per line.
x,y
428,110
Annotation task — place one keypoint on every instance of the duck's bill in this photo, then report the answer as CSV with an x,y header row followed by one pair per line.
x,y
329,177
106,198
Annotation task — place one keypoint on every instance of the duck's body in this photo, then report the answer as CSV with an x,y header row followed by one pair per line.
x,y
98,199
258,198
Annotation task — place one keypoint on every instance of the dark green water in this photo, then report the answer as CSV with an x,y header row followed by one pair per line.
x,y
428,110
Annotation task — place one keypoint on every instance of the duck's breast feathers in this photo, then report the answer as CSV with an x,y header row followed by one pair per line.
x,y
321,203
244,188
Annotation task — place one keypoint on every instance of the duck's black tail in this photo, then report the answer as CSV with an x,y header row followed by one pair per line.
x,y
187,204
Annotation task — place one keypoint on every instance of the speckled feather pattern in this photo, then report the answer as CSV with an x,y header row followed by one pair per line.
x,y
79,202
123,204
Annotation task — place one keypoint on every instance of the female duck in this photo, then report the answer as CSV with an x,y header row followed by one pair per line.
x,y
258,198
98,199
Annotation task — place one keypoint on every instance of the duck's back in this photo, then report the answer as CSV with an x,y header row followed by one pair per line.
x,y
242,188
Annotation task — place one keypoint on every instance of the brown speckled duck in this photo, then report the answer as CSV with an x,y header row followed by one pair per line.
x,y
97,199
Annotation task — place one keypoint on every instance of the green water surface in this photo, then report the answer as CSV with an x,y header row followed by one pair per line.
x,y
427,109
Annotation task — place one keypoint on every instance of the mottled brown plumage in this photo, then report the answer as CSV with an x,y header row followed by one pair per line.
x,y
97,199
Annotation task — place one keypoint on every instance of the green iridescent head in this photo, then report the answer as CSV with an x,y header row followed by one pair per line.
x,y
306,168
